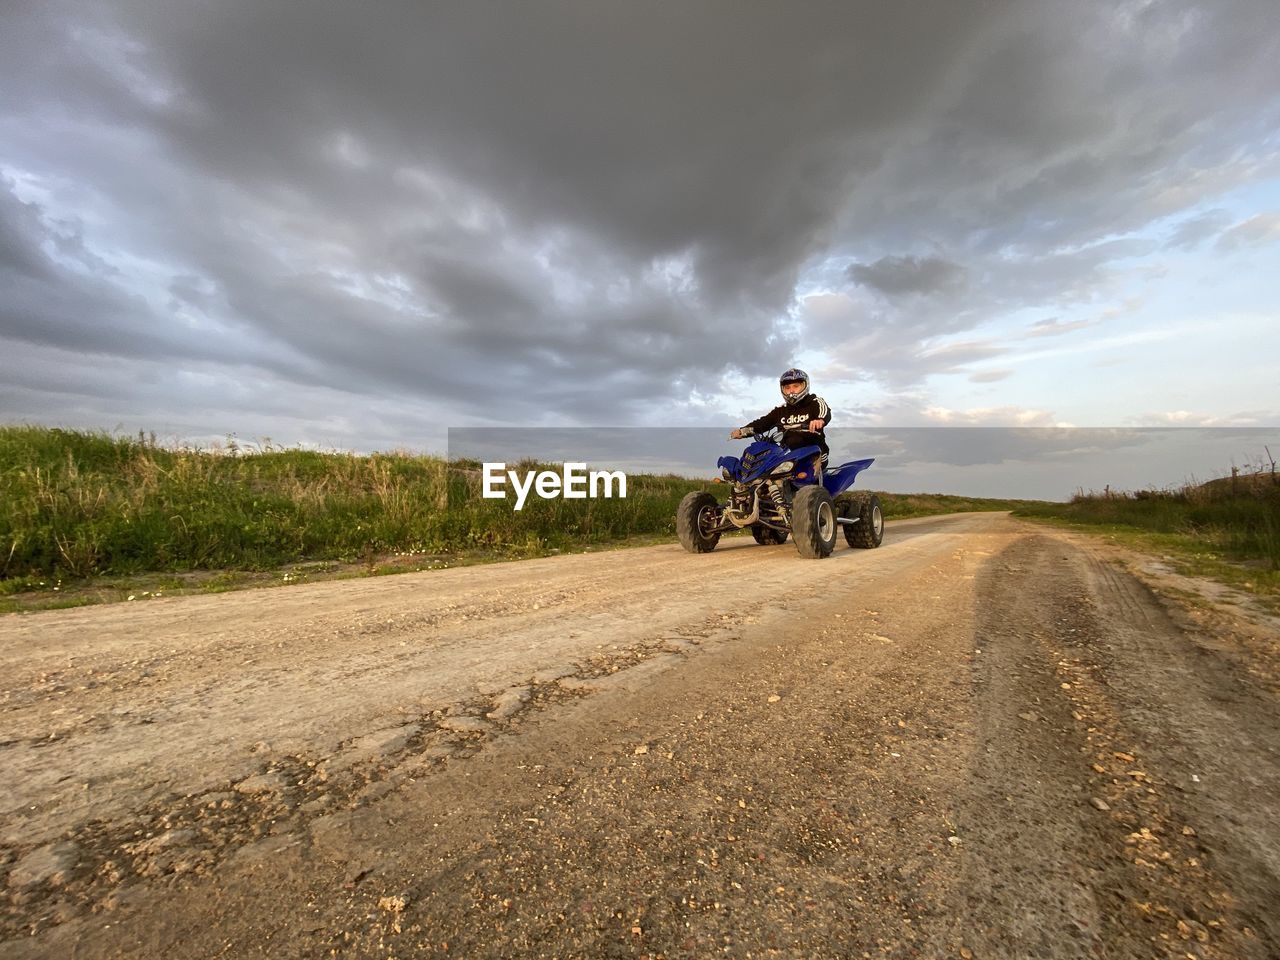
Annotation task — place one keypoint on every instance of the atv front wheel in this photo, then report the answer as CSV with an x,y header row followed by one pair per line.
x,y
868,532
813,522
696,517
768,536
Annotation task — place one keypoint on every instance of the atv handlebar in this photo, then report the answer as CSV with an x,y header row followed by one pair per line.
x,y
766,435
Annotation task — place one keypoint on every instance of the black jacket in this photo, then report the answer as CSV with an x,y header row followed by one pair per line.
x,y
794,419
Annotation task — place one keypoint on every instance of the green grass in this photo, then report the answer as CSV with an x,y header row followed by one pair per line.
x,y
91,517
81,504
1242,527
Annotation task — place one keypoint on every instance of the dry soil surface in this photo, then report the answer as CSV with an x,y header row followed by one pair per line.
x,y
984,739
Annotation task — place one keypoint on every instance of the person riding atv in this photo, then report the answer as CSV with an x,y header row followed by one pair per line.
x,y
781,487
802,418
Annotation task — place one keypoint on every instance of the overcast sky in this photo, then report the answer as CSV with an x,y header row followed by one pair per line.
x,y
356,224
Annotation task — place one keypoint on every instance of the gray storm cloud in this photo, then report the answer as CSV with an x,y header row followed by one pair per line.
x,y
584,212
896,276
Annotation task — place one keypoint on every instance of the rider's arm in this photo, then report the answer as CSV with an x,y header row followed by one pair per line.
x,y
770,419
824,412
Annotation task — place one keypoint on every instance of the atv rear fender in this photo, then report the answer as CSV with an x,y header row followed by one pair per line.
x,y
841,478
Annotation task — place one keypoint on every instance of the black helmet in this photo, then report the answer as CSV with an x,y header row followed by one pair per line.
x,y
794,375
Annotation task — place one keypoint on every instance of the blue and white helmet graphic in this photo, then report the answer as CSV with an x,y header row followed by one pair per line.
x,y
794,375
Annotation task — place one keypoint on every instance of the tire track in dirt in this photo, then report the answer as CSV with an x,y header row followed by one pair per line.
x,y
1211,727
1081,776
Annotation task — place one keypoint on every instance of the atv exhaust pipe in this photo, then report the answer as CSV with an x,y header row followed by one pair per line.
x,y
751,518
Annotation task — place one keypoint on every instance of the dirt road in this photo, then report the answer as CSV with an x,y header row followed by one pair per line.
x,y
984,739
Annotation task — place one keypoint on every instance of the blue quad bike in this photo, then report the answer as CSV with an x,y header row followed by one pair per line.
x,y
778,492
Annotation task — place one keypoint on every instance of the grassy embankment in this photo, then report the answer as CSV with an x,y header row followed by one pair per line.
x,y
1225,530
89,516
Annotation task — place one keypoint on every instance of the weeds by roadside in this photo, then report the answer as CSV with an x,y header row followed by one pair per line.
x,y
88,517
80,504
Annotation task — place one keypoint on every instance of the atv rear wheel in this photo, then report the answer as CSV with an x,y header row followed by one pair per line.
x,y
868,532
813,522
768,536
697,514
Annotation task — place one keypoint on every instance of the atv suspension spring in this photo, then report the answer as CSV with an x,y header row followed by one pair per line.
x,y
775,502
